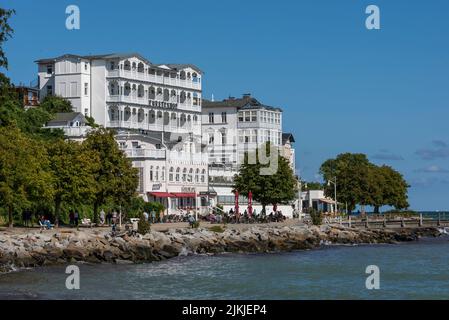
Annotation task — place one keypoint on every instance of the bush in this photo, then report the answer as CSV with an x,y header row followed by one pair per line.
x,y
218,229
196,225
316,216
143,226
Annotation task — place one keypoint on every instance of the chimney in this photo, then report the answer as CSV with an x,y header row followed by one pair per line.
x,y
247,95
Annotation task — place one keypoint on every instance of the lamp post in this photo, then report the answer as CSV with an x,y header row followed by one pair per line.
x,y
334,182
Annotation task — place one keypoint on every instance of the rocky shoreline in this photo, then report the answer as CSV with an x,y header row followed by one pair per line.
x,y
95,246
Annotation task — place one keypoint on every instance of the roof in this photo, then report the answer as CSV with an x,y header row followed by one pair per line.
x,y
66,117
287,137
246,102
177,66
172,66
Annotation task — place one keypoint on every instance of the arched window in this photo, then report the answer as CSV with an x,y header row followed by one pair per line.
x,y
190,176
156,174
184,175
170,174
163,174
203,175
177,174
127,65
151,173
197,175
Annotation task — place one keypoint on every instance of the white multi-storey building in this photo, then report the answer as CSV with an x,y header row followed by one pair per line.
x,y
234,126
156,109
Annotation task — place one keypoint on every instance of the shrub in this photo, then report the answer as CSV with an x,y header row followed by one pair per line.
x,y
218,229
196,225
316,216
143,226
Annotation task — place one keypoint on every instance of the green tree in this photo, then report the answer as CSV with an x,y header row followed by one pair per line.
x,y
276,188
73,168
361,182
115,177
55,104
311,186
351,171
5,33
24,174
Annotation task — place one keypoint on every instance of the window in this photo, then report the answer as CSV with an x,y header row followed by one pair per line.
x,y
163,174
211,117
184,175
247,116
254,136
253,116
73,91
85,66
86,89
223,138
223,117
49,68
49,90
151,173
203,175
211,138
170,174
197,173
177,174
86,112
240,116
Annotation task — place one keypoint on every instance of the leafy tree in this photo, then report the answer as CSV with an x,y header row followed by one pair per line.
x,y
351,171
72,167
54,104
277,188
24,174
394,189
311,186
115,177
361,182
5,33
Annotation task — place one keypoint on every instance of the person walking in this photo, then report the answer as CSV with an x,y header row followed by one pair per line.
x,y
102,217
76,218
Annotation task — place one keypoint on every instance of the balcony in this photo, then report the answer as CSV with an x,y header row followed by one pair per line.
x,y
154,126
144,153
153,78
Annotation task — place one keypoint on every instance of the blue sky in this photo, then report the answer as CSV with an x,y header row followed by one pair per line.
x,y
343,88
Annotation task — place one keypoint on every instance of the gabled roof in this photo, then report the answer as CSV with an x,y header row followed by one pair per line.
x,y
171,66
178,66
66,117
95,57
245,103
287,137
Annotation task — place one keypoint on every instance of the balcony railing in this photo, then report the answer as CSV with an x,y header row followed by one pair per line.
x,y
135,75
144,153
142,125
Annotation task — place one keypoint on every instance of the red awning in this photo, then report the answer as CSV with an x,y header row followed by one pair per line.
x,y
183,195
161,194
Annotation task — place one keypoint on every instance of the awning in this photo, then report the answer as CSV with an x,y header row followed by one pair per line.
x,y
183,194
329,201
161,194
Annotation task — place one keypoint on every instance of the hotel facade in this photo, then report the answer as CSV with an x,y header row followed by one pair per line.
x,y
187,149
155,109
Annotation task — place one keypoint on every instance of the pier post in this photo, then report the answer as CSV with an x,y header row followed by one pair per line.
x,y
420,219
349,221
385,222
402,223
366,222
